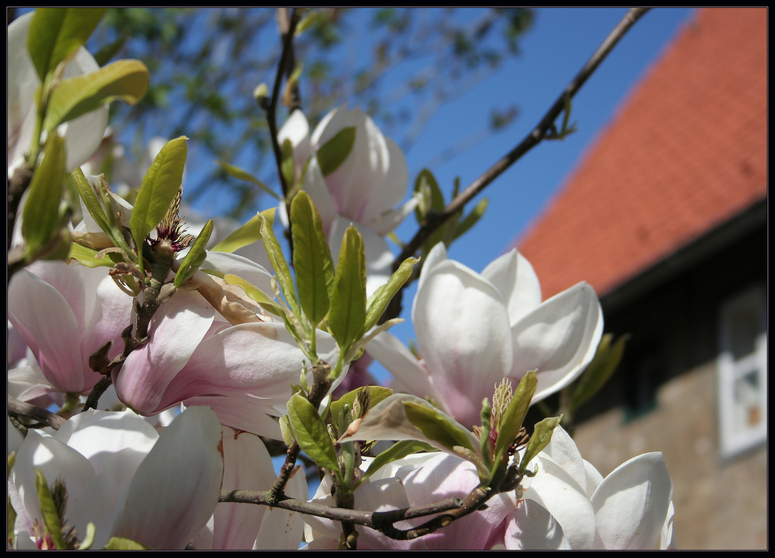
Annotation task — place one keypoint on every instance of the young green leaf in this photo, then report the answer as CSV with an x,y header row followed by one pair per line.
x,y
48,510
397,451
88,256
311,433
311,259
598,372
122,543
256,294
90,200
247,234
41,211
431,198
542,435
435,426
512,419
280,265
376,394
347,316
334,152
241,174
158,190
125,79
471,219
379,301
196,255
57,33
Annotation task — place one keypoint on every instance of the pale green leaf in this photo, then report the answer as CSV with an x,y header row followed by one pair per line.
x,y
347,316
48,511
125,79
311,259
242,174
195,256
41,211
397,451
256,294
435,426
158,190
122,543
471,219
381,298
542,435
376,394
57,33
280,265
311,433
512,419
601,368
88,256
90,200
334,152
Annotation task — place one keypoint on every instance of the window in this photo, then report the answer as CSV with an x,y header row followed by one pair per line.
x,y
742,372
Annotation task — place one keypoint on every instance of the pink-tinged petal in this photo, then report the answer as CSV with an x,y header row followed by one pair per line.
x,y
176,330
560,495
409,374
111,312
315,185
281,529
515,279
392,190
48,325
632,503
246,466
559,339
99,434
531,527
242,412
463,336
27,383
175,489
69,281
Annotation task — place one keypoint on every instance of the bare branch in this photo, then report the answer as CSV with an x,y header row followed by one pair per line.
x,y
44,417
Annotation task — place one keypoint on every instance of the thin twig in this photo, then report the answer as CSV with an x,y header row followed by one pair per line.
x,y
44,417
539,133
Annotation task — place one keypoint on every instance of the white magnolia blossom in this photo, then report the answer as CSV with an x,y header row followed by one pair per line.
x,y
82,135
122,476
363,191
475,329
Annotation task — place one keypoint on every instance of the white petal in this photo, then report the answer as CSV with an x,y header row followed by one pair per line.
x,y
515,279
176,488
281,529
632,503
392,190
437,255
559,338
667,538
463,336
247,269
556,491
563,451
534,528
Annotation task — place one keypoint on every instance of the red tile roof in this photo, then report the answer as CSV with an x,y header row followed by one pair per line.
x,y
686,151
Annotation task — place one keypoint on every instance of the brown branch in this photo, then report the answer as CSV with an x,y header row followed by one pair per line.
x,y
44,417
539,133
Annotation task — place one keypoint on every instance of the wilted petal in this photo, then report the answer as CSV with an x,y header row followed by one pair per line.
x,y
176,487
515,279
559,338
463,336
632,503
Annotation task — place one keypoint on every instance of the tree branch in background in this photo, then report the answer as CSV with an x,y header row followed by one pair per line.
x,y
45,418
539,133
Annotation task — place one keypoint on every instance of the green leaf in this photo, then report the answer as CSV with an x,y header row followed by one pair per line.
x,y
90,200
247,234
125,79
280,265
311,432
471,219
431,198
105,53
48,511
41,211
88,540
381,298
196,255
58,33
241,174
158,190
347,316
376,394
434,425
512,419
397,451
88,256
255,293
542,435
333,153
122,543
311,259
601,368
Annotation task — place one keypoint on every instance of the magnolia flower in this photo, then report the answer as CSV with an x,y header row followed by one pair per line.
x,y
473,330
65,313
420,479
248,466
118,473
576,508
82,135
363,190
